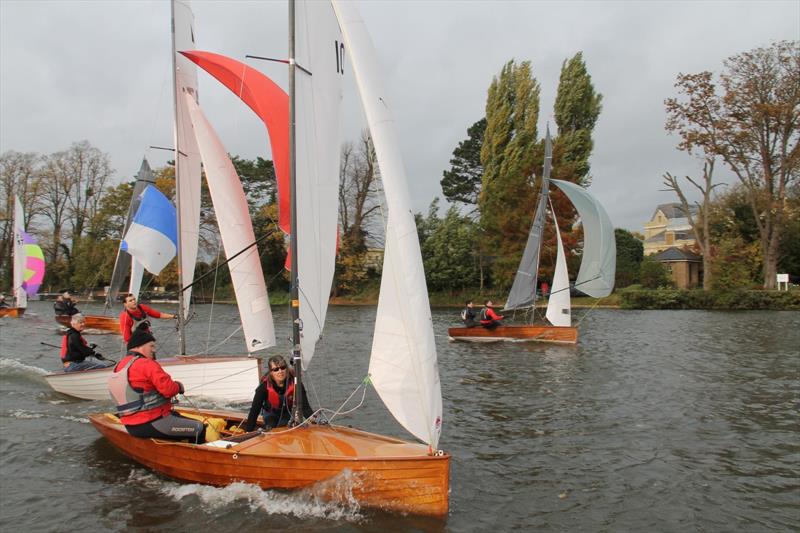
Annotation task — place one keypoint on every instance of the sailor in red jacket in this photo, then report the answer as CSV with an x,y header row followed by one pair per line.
x,y
143,392
133,315
490,319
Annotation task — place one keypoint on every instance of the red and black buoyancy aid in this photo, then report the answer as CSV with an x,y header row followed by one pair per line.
x,y
136,321
273,401
128,399
65,345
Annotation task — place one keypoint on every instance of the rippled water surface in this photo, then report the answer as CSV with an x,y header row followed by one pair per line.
x,y
655,421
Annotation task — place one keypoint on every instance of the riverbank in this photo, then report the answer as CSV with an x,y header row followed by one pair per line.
x,y
628,298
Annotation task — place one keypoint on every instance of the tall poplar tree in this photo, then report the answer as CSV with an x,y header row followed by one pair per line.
x,y
577,107
507,156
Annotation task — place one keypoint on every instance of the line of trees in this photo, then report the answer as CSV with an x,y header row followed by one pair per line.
x,y
77,214
749,121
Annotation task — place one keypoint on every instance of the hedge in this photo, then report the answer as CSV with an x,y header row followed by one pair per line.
x,y
700,299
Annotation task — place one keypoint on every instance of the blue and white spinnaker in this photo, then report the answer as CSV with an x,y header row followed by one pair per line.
x,y
152,238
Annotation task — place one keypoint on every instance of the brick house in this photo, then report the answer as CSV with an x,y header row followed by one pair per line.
x,y
686,267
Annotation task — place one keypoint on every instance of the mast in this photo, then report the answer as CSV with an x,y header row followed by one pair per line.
x,y
544,196
297,363
181,336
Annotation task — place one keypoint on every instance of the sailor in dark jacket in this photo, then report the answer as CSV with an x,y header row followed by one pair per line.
x,y
468,315
76,353
64,305
274,397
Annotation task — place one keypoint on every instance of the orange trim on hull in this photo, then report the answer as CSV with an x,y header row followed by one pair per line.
x,y
379,472
568,335
104,323
12,312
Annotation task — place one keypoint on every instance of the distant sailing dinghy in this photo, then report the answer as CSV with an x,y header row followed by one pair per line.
x,y
152,243
335,462
595,278
28,266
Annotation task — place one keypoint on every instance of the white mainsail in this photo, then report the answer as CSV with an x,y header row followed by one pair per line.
x,y
558,305
318,97
236,229
187,155
599,261
403,366
21,297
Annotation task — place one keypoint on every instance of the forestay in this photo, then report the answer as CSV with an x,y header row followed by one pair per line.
x,y
599,261
318,138
187,156
236,229
403,365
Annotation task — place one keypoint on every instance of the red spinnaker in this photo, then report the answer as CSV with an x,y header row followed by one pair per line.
x,y
270,103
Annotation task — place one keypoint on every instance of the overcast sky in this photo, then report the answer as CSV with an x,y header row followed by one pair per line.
x,y
101,71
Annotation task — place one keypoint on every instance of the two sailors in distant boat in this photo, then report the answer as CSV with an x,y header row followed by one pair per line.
x,y
134,317
490,319
65,305
274,397
469,315
76,353
143,391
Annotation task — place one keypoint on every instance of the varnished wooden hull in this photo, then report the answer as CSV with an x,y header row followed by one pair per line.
x,y
12,312
333,462
538,333
94,322
230,379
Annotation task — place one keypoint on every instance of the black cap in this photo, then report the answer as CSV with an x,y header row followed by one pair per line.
x,y
140,338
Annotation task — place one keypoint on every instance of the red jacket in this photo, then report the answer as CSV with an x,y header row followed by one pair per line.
x,y
147,375
126,322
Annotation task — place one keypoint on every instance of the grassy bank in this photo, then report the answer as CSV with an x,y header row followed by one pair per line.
x,y
628,298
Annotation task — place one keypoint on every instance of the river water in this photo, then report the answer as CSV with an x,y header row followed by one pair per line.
x,y
655,421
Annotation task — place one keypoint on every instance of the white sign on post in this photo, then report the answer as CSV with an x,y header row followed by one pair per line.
x,y
783,279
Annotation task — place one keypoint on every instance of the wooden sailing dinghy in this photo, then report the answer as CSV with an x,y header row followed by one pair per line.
x,y
28,266
94,323
389,473
595,278
335,462
12,312
516,333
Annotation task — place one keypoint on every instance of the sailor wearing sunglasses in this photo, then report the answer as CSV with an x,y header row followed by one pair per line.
x,y
274,397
